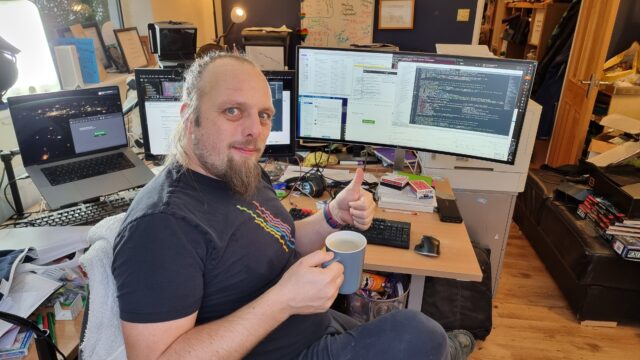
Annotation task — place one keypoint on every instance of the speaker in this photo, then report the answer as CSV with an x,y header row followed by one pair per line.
x,y
68,67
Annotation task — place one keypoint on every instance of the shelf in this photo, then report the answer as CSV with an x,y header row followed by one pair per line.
x,y
620,90
527,5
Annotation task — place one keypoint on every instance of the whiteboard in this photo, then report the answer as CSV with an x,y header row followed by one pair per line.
x,y
338,23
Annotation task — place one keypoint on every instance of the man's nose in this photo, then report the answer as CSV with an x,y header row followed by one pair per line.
x,y
252,126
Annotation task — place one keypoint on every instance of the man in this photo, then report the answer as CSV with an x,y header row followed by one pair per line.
x,y
208,263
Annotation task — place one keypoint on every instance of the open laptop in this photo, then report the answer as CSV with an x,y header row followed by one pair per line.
x,y
74,144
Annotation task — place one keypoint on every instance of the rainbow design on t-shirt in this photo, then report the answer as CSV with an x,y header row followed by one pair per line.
x,y
271,224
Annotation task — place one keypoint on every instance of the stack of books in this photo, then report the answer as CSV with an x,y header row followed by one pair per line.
x,y
621,233
405,199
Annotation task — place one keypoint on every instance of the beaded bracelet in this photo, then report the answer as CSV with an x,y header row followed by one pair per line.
x,y
328,217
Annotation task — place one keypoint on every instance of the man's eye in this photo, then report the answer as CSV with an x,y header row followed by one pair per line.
x,y
265,116
232,111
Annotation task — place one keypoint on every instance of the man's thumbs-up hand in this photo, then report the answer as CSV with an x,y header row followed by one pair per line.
x,y
354,205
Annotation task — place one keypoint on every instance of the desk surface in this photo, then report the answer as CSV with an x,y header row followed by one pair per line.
x,y
68,336
457,259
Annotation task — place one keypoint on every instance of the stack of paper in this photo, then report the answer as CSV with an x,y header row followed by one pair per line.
x,y
45,243
403,199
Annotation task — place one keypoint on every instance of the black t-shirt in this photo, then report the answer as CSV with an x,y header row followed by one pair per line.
x,y
189,244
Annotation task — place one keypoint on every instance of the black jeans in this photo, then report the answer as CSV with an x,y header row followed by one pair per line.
x,y
403,334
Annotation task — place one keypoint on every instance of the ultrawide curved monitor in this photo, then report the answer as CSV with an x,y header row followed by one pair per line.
x,y
457,105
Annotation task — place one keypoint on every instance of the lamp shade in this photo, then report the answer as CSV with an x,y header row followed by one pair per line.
x,y
8,72
238,15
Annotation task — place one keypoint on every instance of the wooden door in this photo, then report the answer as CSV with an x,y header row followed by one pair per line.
x,y
588,54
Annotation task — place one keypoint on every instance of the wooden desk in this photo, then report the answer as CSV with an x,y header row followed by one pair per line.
x,y
457,259
68,337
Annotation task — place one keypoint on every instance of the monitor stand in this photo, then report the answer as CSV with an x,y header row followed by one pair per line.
x,y
398,161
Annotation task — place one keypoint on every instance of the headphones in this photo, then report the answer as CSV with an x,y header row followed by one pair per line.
x,y
312,184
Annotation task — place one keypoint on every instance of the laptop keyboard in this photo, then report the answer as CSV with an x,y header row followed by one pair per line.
x,y
84,169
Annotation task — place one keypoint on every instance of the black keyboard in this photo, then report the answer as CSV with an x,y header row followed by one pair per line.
x,y
381,232
386,232
84,169
83,214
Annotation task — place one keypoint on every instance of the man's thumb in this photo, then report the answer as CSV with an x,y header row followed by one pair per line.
x,y
356,183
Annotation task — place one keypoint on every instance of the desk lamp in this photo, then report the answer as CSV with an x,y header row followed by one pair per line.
x,y
238,15
8,68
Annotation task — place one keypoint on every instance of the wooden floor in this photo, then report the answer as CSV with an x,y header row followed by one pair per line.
x,y
532,320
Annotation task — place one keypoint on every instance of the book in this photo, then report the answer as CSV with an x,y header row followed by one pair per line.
x,y
403,199
20,346
627,247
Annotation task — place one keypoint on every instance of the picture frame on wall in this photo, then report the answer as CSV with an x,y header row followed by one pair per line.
x,y
131,48
91,30
395,14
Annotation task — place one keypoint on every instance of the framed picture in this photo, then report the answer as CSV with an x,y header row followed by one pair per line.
x,y
91,30
131,48
395,14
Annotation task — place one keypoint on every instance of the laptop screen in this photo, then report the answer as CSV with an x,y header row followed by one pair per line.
x,y
159,97
66,124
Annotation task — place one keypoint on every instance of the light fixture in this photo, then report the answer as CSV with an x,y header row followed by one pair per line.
x,y
238,15
21,26
8,68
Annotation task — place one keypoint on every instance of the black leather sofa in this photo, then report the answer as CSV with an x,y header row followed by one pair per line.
x,y
598,284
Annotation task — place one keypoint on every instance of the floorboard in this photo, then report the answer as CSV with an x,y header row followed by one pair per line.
x,y
532,320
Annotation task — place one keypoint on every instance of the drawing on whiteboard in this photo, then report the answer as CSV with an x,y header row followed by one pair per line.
x,y
338,23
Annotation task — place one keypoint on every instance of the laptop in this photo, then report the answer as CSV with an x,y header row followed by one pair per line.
x,y
74,144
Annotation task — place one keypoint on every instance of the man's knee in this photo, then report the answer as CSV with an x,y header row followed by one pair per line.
x,y
424,333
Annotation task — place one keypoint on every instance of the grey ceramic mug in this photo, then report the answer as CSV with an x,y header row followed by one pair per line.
x,y
348,247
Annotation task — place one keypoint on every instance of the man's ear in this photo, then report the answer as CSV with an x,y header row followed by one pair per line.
x,y
184,117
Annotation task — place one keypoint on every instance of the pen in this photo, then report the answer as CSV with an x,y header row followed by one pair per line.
x,y
45,323
400,211
52,326
39,321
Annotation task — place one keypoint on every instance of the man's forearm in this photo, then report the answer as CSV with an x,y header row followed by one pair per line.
x,y
233,336
311,232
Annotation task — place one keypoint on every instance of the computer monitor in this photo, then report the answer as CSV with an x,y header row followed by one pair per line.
x,y
159,98
281,140
457,105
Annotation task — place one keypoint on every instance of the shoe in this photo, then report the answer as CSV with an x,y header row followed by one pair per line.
x,y
461,344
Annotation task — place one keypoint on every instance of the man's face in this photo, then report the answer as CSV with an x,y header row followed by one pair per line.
x,y
235,121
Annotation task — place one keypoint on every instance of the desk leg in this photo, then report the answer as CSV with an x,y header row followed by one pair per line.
x,y
416,289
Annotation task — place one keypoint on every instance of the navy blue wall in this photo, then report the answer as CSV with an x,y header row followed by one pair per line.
x,y
434,22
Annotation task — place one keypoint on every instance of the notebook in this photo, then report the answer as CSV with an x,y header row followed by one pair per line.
x,y
74,144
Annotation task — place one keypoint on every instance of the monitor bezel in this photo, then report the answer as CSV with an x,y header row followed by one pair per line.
x,y
517,131
285,150
144,126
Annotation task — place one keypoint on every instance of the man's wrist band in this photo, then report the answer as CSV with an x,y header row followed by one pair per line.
x,y
328,217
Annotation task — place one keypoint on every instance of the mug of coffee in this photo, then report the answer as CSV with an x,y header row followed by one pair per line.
x,y
348,247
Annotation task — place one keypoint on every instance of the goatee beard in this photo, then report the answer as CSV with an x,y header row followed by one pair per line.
x,y
242,176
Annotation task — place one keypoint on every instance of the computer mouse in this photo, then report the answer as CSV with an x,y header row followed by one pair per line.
x,y
429,246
